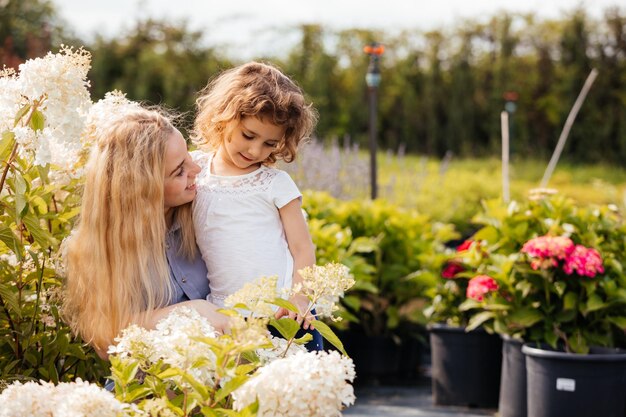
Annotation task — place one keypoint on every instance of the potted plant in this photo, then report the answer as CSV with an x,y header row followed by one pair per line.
x,y
562,291
392,254
465,362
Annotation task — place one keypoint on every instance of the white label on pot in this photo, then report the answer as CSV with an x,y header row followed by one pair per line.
x,y
566,384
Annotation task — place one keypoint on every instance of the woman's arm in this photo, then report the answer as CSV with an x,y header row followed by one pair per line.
x,y
303,253
206,309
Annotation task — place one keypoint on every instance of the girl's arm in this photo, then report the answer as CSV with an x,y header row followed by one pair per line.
x,y
303,253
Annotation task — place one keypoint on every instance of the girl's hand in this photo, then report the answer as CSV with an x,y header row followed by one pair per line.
x,y
302,304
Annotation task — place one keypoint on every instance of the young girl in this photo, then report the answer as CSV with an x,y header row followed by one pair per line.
x,y
247,215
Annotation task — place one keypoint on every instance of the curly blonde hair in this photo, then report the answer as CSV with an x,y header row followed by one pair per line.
x,y
253,90
116,264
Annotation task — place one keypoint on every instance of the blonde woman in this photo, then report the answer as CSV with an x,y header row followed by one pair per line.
x,y
133,255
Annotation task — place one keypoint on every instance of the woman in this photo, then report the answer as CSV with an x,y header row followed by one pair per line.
x,y
132,256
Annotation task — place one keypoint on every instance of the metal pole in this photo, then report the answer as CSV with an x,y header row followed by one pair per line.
x,y
372,78
372,128
504,125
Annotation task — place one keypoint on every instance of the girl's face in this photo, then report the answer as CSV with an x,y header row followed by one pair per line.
x,y
180,173
252,141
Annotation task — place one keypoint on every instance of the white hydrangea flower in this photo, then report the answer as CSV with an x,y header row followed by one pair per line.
x,y
60,82
250,332
158,407
74,399
10,99
30,399
324,285
278,350
82,399
113,105
307,384
173,342
257,296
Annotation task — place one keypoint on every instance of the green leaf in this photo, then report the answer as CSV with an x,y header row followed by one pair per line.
x,y
304,339
286,327
281,302
594,303
20,198
560,287
570,301
478,319
550,338
41,235
230,386
525,317
9,298
469,304
363,245
618,321
329,335
488,233
352,301
21,113
8,238
6,146
137,393
37,120
169,373
196,385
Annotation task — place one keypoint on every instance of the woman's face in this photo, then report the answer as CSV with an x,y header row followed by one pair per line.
x,y
180,173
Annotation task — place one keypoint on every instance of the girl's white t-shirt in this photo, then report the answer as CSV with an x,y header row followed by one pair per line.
x,y
238,226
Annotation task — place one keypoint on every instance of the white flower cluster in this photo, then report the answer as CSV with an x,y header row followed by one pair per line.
x,y
58,82
249,332
307,384
113,105
75,399
257,296
173,342
324,285
278,350
10,99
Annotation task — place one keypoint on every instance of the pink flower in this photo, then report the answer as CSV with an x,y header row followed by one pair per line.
x,y
479,286
546,251
451,269
584,261
465,245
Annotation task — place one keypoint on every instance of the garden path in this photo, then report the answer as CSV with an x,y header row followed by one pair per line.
x,y
405,401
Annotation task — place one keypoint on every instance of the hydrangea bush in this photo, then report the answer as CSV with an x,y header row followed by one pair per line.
x,y
559,271
44,110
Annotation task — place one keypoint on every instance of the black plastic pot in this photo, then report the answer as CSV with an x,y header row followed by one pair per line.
x,y
575,385
376,358
512,401
465,367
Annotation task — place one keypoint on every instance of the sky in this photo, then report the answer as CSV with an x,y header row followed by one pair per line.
x,y
254,27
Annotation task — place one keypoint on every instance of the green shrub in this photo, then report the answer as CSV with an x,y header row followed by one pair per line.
x,y
395,255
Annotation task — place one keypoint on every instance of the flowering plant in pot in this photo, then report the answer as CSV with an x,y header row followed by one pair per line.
x,y
560,271
465,364
460,281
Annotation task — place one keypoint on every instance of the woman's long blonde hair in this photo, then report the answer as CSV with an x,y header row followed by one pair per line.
x,y
116,264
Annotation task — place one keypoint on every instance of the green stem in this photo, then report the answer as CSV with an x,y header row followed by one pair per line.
x,y
18,347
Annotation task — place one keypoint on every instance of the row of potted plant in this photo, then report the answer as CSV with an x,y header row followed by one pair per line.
x,y
547,273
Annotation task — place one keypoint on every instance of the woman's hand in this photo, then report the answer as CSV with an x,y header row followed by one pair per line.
x,y
302,304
